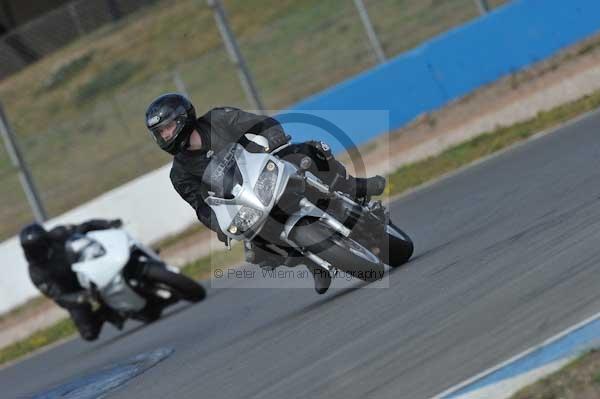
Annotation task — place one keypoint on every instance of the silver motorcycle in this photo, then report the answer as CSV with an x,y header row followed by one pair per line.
x,y
289,212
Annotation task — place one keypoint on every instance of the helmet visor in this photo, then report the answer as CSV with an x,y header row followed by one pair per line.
x,y
166,132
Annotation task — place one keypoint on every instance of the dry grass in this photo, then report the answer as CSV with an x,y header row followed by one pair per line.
x,y
412,175
578,380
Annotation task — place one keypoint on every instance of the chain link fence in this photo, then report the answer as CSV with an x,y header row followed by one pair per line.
x,y
44,35
84,138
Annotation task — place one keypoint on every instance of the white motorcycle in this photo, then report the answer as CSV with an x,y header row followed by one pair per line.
x,y
290,213
126,276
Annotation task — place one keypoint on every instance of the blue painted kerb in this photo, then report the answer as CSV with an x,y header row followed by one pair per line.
x,y
585,337
453,64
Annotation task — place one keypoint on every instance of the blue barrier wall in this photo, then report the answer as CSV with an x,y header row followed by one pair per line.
x,y
451,65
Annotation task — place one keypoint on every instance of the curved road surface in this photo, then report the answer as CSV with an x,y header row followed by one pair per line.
x,y
507,255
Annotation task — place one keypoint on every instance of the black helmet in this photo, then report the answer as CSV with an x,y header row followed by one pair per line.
x,y
35,242
171,119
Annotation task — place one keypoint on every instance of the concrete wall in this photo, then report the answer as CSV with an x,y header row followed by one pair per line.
x,y
455,63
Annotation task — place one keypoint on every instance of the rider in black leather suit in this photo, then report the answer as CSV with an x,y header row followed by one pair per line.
x,y
172,122
50,271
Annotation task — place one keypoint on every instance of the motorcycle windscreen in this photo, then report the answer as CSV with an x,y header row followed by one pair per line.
x,y
101,270
222,173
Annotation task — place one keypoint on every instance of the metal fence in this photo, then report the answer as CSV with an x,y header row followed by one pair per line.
x,y
78,145
44,35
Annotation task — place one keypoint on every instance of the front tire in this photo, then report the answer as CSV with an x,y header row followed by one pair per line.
x,y
341,252
399,247
183,286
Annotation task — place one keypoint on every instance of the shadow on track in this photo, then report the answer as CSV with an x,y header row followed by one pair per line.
x,y
410,263
302,311
141,326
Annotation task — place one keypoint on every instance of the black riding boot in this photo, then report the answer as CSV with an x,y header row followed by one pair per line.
x,y
335,174
112,317
322,278
323,164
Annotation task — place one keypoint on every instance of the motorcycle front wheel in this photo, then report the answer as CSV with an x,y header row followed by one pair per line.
x,y
341,252
183,286
398,248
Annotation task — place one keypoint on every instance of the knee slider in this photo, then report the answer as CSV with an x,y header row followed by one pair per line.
x,y
89,335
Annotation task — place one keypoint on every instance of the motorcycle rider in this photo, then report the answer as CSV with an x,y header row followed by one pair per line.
x,y
50,271
172,122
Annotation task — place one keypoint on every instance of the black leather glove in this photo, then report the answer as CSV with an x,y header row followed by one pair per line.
x,y
277,140
323,150
255,148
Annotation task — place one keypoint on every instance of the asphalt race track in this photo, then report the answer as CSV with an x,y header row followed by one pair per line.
x,y
507,255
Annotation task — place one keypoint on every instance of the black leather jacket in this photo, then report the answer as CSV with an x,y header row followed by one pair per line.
x,y
54,277
220,127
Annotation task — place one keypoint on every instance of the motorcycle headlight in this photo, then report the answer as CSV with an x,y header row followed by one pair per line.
x,y
265,185
245,218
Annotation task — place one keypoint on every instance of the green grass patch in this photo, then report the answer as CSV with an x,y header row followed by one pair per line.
x,y
65,72
109,79
417,173
596,377
39,339
203,267
175,238
30,306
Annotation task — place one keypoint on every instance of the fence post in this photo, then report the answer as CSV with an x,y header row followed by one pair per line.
x,y
483,6
114,9
235,54
26,53
180,84
24,174
373,39
75,18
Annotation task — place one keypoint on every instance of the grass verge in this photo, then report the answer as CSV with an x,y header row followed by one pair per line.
x,y
417,173
175,238
578,379
61,329
28,307
403,179
201,268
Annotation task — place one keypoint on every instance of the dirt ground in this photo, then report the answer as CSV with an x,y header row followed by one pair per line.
x,y
571,74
